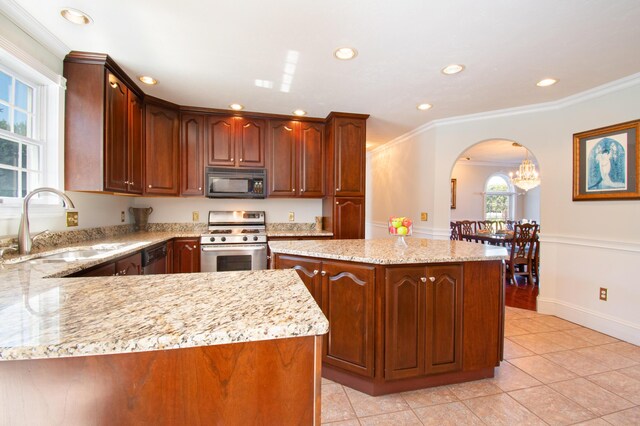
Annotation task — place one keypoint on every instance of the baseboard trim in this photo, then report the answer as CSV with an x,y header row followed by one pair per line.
x,y
607,324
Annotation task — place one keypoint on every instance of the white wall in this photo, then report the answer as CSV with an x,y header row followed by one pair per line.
x,y
585,245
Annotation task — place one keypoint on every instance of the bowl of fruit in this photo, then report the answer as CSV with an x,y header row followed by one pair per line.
x,y
400,226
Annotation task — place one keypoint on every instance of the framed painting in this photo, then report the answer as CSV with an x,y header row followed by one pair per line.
x,y
606,163
453,193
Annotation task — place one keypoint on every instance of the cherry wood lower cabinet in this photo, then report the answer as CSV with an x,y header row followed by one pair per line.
x,y
265,382
186,255
401,327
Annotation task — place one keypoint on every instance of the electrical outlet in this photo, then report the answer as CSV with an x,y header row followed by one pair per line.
x,y
292,216
195,216
122,216
424,216
603,294
72,219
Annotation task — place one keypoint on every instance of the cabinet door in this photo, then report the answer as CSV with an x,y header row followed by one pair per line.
x,y
219,140
186,256
106,270
135,142
282,154
443,346
115,143
169,265
348,304
131,265
312,160
162,151
191,154
348,218
250,142
308,270
349,157
404,322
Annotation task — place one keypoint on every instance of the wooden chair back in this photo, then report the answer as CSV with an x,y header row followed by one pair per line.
x,y
485,225
455,231
521,253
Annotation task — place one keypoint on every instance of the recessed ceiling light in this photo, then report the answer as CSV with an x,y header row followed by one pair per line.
x,y
148,80
345,53
546,82
424,107
452,69
236,107
75,16
300,112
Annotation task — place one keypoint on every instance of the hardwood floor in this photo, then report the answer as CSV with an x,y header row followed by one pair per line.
x,y
521,296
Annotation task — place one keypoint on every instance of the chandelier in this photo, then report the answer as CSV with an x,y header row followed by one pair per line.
x,y
526,176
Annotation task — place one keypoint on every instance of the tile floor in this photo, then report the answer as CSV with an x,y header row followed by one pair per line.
x,y
555,372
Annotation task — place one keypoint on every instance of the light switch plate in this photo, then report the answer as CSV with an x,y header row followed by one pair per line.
x,y
195,216
424,216
292,216
72,219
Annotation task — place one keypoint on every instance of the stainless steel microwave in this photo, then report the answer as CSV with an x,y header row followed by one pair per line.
x,y
235,183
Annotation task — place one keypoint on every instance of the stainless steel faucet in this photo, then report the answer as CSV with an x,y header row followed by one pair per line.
x,y
24,238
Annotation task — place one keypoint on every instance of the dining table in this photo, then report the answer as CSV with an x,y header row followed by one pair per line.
x,y
496,239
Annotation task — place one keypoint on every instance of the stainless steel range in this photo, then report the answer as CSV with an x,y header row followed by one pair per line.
x,y
235,241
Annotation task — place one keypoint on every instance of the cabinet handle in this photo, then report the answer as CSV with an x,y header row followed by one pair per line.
x,y
432,279
423,279
323,273
315,272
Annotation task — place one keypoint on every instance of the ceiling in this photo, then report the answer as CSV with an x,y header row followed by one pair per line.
x,y
210,53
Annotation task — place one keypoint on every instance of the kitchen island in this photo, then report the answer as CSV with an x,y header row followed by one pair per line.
x,y
404,318
232,348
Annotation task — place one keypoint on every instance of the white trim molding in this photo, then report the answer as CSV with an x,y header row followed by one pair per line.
x,y
621,329
591,242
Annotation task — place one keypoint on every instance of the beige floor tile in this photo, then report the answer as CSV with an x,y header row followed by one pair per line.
x,y
597,399
576,363
592,336
367,405
557,323
566,339
620,384
511,315
513,330
606,357
631,371
526,313
551,406
514,350
327,381
452,414
502,410
392,419
629,417
429,396
508,378
474,389
532,325
335,404
538,344
542,369
625,349
353,422
594,422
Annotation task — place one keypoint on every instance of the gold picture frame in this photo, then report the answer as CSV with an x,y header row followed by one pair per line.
x,y
454,183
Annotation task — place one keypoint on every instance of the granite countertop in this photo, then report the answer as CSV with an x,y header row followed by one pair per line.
x,y
298,233
46,316
385,251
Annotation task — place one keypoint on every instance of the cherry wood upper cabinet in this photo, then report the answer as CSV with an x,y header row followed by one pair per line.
x,y
192,154
235,141
296,159
349,156
162,155
103,126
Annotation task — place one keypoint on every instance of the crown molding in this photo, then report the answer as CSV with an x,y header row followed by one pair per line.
x,y
28,63
595,92
34,28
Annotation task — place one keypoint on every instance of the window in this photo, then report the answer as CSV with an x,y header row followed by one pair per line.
x,y
20,151
499,198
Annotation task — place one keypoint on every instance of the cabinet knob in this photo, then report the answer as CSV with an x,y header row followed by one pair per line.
x,y
241,159
432,279
293,190
126,182
232,159
337,189
194,246
337,202
323,273
423,279
131,183
199,188
315,272
150,186
301,189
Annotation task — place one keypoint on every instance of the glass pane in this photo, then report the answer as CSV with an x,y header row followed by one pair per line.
x,y
30,157
4,117
8,153
21,123
32,182
497,183
8,183
5,86
24,184
497,207
23,96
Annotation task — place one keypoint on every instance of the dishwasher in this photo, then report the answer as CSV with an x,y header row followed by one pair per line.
x,y
154,260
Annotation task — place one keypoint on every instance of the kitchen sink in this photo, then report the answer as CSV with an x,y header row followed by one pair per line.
x,y
69,256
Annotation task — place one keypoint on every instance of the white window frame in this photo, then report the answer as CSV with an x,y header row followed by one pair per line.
x,y
511,193
48,127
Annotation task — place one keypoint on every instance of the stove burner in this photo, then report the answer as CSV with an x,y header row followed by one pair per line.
x,y
250,231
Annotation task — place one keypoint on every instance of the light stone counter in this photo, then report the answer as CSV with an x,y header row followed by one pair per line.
x,y
45,316
300,233
385,251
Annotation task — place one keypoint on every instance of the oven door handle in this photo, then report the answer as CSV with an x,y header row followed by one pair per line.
x,y
234,248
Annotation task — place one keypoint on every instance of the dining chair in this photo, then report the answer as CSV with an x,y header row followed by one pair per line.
x,y
521,253
535,258
485,225
455,231
467,228
510,224
498,225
